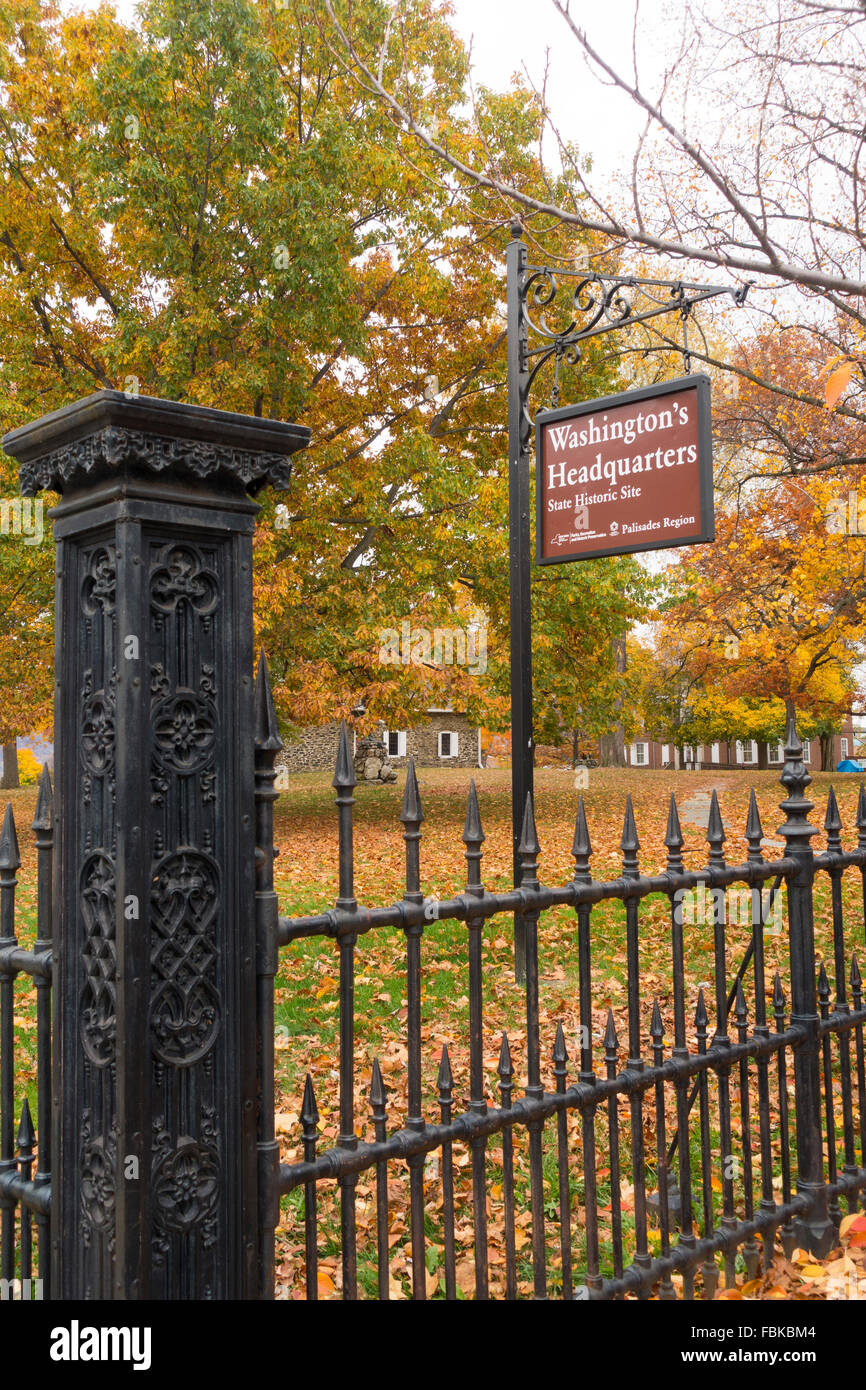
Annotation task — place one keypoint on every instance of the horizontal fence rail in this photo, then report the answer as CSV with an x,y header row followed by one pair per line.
x,y
728,1120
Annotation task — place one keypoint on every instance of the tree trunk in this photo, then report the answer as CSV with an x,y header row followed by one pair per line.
x,y
762,757
826,752
612,745
575,747
10,766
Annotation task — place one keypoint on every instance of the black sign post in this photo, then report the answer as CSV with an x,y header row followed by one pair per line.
x,y
593,304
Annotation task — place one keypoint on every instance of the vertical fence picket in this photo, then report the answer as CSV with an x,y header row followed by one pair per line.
x,y
708,1266
786,1230
560,1070
611,1059
716,839
581,850
445,1086
43,831
629,845
829,1108
344,784
310,1131
26,1141
657,1032
412,816
473,838
529,851
506,1085
378,1105
10,862
750,1247
674,842
833,828
754,837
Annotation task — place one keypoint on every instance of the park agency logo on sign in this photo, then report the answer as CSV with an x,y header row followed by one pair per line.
x,y
630,472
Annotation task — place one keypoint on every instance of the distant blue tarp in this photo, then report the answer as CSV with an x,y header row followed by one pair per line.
x,y
849,765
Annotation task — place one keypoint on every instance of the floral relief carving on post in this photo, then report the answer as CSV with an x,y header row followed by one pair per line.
x,y
186,1182
98,589
186,1006
182,575
97,1013
98,1167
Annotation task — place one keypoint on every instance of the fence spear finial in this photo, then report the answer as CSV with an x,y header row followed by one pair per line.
x,y
754,831
529,848
445,1081
26,1132
833,823
267,738
410,809
715,832
674,839
43,818
473,833
629,844
581,848
10,857
505,1067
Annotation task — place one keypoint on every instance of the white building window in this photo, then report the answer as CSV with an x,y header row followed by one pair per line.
x,y
666,752
775,752
395,741
746,750
688,753
639,754
807,752
448,744
844,747
714,753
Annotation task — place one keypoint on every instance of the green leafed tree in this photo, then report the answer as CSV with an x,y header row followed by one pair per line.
x,y
208,207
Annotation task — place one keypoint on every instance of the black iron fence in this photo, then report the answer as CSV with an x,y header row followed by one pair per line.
x,y
757,1128
730,1119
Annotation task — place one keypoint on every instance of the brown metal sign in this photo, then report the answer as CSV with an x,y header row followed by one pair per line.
x,y
625,473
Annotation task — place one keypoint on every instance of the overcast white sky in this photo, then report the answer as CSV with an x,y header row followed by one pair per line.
x,y
510,36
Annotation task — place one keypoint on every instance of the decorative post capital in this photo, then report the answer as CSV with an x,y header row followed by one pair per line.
x,y
111,435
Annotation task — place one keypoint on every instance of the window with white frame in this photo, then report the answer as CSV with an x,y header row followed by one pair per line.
x,y
775,752
747,750
688,753
844,746
666,752
640,754
714,753
448,744
807,750
395,741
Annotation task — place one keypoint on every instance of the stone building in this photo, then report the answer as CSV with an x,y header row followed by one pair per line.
x,y
445,738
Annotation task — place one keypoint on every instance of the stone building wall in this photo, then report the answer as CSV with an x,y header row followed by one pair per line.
x,y
316,749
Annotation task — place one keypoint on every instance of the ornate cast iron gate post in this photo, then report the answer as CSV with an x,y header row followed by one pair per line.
x,y
155,1190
